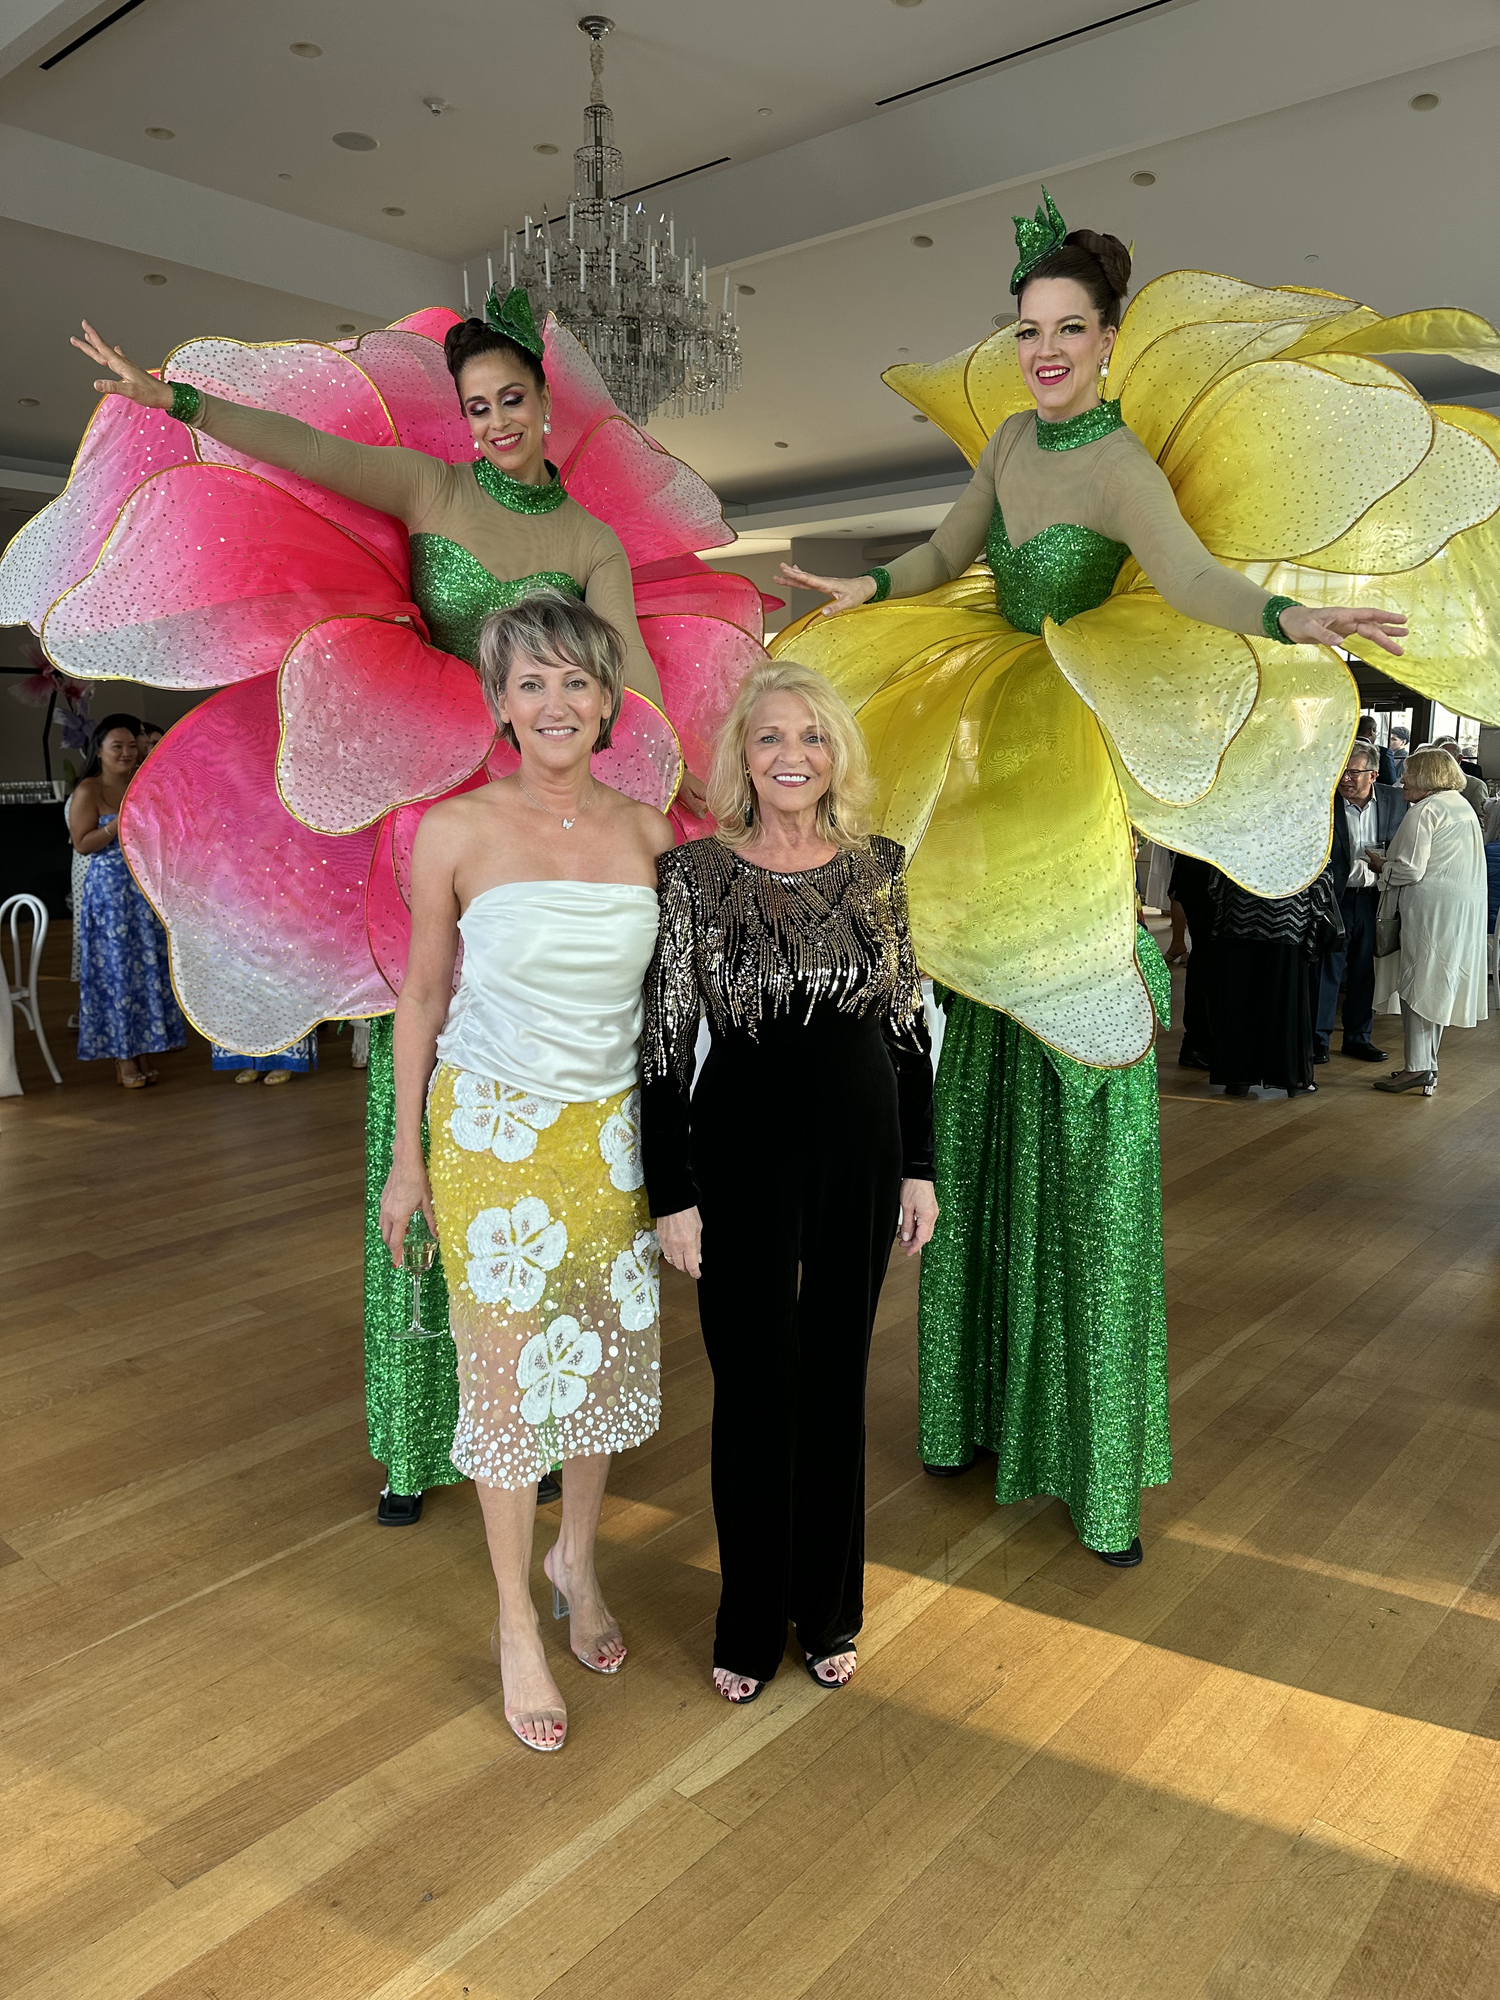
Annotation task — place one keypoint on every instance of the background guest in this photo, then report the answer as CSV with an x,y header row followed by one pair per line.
x,y
1191,893
1475,790
1263,984
1400,750
1433,883
1492,858
147,738
1365,815
126,1007
1368,731
279,1068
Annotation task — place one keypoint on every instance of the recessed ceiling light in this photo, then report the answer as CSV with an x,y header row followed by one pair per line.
x,y
999,320
544,148
283,177
781,444
1143,180
765,111
745,291
153,278
921,243
160,132
1426,100
307,50
921,420
1311,257
29,402
906,3
903,350
355,142
345,326
393,211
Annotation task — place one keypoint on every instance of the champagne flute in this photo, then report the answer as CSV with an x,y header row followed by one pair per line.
x,y
418,1254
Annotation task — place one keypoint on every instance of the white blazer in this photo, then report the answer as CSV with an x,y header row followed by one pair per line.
x,y
1435,872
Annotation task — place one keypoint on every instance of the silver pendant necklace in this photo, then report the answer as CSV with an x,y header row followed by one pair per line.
x,y
567,824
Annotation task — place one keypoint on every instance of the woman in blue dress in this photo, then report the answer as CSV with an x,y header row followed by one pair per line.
x,y
126,1007
278,1068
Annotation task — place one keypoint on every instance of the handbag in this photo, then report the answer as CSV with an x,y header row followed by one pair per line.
x,y
1387,928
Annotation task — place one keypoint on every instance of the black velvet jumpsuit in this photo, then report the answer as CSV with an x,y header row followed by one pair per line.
x,y
814,1103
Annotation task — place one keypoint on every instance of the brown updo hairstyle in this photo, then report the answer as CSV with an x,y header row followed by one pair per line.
x,y
1101,264
472,337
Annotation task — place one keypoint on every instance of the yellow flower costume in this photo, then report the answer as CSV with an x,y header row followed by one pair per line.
x,y
1250,452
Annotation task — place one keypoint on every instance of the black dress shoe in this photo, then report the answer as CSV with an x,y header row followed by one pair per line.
x,y
398,1510
548,1487
1320,1052
1364,1052
1190,1059
949,1471
1122,1558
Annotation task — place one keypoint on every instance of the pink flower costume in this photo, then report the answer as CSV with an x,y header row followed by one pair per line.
x,y
309,548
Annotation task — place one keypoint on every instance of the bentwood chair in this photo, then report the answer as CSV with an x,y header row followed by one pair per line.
x,y
22,990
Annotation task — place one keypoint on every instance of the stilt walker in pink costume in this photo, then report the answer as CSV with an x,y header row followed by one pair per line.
x,y
318,532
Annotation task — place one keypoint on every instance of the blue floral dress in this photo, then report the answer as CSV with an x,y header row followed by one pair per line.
x,y
300,1056
126,1006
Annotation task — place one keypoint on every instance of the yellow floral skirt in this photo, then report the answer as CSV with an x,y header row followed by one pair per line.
x,y
551,1264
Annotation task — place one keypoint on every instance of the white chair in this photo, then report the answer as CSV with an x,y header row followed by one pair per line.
x,y
23,991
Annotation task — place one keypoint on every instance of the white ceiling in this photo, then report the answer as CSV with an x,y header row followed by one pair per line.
x,y
1395,204
687,80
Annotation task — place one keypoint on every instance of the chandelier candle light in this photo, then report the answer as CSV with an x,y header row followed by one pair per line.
x,y
617,281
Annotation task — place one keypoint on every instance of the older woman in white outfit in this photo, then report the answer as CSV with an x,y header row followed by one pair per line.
x,y
1433,876
529,1078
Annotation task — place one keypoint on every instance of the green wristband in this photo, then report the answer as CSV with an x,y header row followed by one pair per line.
x,y
187,402
1270,618
882,585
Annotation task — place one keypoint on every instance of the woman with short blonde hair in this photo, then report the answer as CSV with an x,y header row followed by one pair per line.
x,y
1430,926
779,1181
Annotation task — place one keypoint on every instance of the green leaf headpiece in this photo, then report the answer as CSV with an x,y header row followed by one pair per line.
x,y
1037,237
513,317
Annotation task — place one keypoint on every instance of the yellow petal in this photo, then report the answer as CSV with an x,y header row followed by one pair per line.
x,y
1456,486
969,395
1170,692
1285,456
1203,298
1433,330
1267,819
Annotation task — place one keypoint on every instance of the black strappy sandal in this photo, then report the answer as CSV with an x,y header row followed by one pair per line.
x,y
812,1666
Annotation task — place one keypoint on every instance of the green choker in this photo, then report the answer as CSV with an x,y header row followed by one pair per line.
x,y
521,499
1082,429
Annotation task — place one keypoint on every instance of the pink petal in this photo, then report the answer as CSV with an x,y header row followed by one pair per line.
x,y
701,662
579,397
414,383
372,718
432,323
321,387
122,446
208,576
683,583
266,919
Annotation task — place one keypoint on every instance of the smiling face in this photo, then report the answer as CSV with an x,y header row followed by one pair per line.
x,y
1062,344
118,755
556,711
506,411
1358,780
787,755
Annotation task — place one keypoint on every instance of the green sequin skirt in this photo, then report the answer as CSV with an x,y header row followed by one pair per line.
x,y
411,1386
1043,1332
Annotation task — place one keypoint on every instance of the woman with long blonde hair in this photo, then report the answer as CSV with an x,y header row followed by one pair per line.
x,y
780,1181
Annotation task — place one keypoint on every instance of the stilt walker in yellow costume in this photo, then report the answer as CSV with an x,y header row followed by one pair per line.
x,y
1176,513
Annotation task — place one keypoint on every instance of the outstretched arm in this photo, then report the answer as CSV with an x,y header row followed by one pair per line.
x,y
386,477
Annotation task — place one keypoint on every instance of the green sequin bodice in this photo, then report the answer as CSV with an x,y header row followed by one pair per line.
x,y
1055,574
456,593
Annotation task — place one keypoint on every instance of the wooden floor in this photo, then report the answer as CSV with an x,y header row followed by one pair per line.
x,y
252,1747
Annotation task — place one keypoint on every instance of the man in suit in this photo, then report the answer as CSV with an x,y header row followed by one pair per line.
x,y
1365,814
1385,770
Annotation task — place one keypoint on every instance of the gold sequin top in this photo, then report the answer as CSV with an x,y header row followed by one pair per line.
x,y
785,966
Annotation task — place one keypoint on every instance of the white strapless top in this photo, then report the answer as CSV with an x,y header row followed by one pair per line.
x,y
549,999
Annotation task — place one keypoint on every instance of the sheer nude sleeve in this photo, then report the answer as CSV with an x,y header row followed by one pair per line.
x,y
958,541
1140,509
388,477
608,589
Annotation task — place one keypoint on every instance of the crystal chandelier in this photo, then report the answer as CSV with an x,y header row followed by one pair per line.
x,y
618,282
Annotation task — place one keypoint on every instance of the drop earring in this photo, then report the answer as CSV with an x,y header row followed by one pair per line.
x,y
546,427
